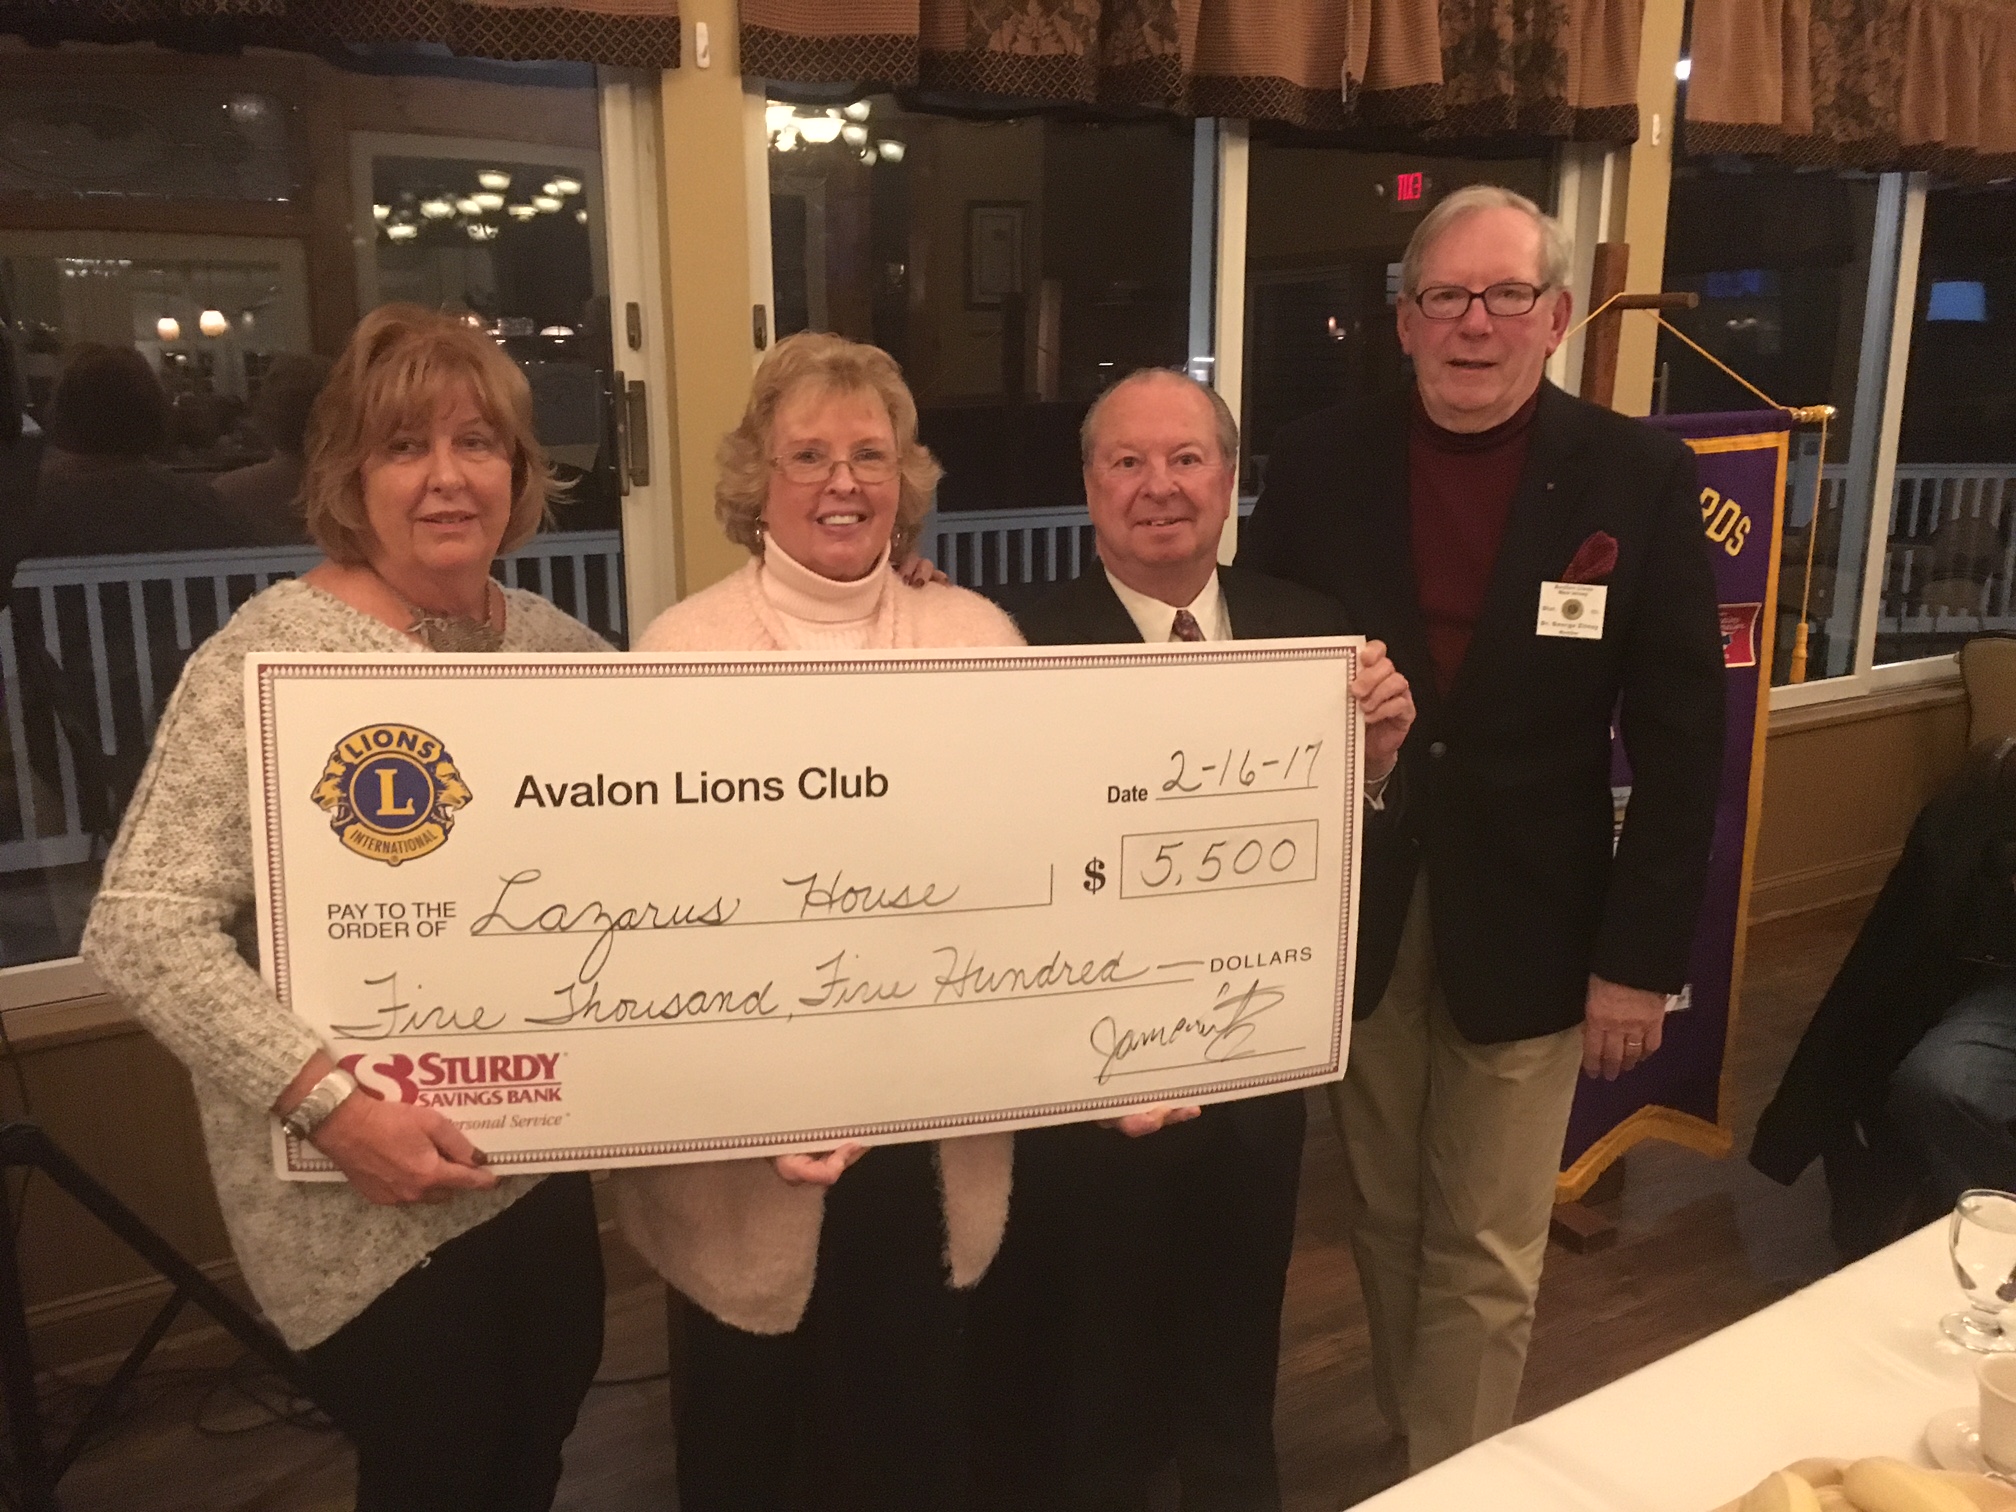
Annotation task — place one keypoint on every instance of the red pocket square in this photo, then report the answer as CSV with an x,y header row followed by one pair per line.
x,y
1595,559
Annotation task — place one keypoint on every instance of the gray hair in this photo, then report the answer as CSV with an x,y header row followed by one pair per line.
x,y
1221,412
1556,254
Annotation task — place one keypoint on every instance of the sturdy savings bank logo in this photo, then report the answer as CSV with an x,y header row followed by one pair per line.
x,y
391,792
458,1081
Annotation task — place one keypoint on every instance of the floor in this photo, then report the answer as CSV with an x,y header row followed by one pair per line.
x,y
1701,1243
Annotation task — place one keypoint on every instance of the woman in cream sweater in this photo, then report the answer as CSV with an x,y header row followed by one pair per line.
x,y
824,1346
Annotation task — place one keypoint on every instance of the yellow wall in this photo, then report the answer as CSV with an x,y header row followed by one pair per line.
x,y
1639,210
1842,783
708,292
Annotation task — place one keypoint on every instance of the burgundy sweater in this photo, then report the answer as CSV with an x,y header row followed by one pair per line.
x,y
1459,496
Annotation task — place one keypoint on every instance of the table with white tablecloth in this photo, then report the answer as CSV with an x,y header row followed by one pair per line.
x,y
1854,1365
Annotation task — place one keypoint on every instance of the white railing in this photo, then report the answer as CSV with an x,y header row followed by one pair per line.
x,y
1949,565
993,548
109,636
988,548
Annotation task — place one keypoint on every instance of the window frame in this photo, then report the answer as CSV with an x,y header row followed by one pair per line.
x,y
1866,678
40,999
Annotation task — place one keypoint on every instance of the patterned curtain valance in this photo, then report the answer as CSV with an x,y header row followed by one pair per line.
x,y
624,33
1857,83
1445,68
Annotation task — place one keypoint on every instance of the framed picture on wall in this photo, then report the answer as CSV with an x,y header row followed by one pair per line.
x,y
993,251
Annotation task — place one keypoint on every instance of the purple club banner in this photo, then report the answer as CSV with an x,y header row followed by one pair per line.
x,y
1678,1094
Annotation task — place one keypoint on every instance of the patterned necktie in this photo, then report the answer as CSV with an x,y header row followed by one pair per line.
x,y
1186,627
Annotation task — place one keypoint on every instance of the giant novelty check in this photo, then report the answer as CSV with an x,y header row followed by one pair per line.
x,y
607,911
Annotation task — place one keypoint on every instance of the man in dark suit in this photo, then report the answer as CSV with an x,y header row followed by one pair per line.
x,y
1141,1280
1537,565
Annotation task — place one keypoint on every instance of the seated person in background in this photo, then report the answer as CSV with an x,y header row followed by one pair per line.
x,y
1909,1065
1136,1311
265,498
99,492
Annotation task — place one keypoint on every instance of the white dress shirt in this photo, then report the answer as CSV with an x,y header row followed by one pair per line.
x,y
1156,620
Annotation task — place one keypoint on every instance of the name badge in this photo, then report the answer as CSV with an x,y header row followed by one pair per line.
x,y
1573,611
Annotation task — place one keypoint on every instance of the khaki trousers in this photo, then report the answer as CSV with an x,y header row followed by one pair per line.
x,y
1452,1150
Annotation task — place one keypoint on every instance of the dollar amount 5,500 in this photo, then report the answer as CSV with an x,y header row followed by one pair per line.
x,y
1212,860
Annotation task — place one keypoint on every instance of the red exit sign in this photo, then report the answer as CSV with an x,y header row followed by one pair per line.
x,y
1405,193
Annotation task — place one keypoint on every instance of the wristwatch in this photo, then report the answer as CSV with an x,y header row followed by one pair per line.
x,y
324,1098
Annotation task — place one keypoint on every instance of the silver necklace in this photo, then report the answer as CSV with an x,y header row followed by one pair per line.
x,y
452,633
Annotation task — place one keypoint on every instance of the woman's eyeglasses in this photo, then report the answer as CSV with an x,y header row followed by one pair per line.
x,y
1453,301
812,467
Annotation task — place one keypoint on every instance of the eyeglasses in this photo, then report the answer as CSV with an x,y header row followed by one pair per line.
x,y
1183,467
812,467
1453,301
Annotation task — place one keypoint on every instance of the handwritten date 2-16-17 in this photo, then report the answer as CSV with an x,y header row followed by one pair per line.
x,y
1208,774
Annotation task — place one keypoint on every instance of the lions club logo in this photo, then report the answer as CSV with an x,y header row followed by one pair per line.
x,y
391,792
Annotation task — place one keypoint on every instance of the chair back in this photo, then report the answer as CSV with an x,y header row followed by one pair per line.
x,y
1988,671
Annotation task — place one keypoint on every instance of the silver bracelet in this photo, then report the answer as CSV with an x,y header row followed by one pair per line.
x,y
324,1098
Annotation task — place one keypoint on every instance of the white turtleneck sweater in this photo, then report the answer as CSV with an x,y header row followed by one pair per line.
x,y
818,613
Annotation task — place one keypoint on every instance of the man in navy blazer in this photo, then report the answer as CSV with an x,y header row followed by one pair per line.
x,y
1134,1313
1538,567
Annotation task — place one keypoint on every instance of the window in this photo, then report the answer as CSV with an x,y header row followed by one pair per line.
x,y
1014,267
1796,272
219,223
1947,566
1325,230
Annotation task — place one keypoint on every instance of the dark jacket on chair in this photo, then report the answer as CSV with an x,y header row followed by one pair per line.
x,y
1508,775
1946,915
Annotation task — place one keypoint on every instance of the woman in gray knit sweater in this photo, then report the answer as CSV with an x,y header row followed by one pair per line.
x,y
450,1321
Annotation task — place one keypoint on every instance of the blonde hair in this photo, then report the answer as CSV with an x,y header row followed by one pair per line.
x,y
833,365
1556,254
400,363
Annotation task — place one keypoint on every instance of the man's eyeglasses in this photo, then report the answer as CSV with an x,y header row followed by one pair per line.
x,y
812,467
1453,301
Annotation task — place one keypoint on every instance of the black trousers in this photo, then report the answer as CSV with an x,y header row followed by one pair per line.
x,y
1134,1315
859,1408
460,1383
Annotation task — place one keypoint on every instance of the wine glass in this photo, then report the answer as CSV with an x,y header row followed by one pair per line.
x,y
1982,1239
